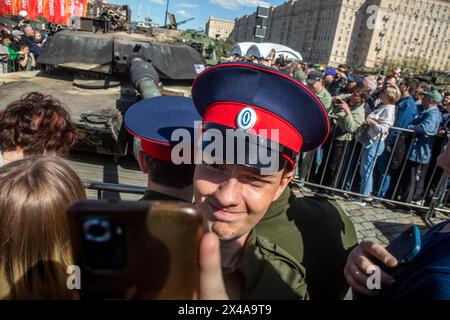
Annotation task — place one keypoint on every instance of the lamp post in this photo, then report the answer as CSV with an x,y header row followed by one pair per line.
x,y
167,11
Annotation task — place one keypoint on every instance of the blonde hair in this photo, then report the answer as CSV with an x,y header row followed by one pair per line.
x,y
393,93
34,233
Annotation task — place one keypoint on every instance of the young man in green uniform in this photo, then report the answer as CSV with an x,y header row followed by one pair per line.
x,y
261,249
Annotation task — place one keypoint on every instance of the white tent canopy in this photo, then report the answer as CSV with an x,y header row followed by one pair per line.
x,y
241,48
262,50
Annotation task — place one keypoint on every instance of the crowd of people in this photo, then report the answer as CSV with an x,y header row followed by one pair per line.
x,y
261,241
368,113
20,46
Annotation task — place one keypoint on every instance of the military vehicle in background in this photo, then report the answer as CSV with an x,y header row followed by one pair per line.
x,y
211,49
144,26
436,79
102,16
99,75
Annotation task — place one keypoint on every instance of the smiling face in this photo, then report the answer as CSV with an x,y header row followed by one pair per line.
x,y
6,41
234,198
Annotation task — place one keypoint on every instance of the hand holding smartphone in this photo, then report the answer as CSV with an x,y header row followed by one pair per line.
x,y
407,246
136,250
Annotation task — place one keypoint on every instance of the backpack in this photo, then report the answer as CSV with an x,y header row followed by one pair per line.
x,y
398,154
362,135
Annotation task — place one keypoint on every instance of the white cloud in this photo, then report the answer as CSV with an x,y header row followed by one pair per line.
x,y
237,4
159,2
186,5
183,14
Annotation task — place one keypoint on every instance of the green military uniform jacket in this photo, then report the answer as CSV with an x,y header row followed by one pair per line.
x,y
317,234
325,97
268,272
348,125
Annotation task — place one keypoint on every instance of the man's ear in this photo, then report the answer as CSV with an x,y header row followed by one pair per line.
x,y
142,160
285,179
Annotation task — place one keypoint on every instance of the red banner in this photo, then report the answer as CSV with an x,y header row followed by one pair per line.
x,y
58,8
6,7
32,9
40,4
56,11
16,6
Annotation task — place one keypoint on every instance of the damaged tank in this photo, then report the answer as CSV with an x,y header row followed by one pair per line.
x,y
435,79
98,76
211,49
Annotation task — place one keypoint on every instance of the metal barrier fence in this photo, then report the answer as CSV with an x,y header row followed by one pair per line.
x,y
435,194
12,66
111,187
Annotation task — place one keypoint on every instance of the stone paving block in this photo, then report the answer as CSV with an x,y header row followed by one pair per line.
x,y
382,224
368,225
378,232
357,219
368,233
372,238
355,213
382,216
371,218
381,210
369,211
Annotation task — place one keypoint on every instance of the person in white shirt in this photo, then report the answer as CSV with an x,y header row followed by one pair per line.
x,y
379,123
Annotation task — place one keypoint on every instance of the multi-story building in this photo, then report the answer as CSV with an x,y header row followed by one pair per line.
x,y
358,32
219,28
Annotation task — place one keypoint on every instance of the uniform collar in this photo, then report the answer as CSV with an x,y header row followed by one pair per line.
x,y
430,109
279,206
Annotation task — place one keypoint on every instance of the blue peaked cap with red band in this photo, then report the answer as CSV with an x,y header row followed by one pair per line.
x,y
154,120
274,99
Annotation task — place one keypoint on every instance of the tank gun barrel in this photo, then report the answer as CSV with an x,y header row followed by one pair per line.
x,y
144,76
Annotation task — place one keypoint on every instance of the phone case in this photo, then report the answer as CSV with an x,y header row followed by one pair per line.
x,y
136,250
407,246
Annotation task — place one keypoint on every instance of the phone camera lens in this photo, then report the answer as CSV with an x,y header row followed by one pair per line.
x,y
97,230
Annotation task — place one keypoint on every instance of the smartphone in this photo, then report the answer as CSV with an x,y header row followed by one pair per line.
x,y
136,250
407,246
